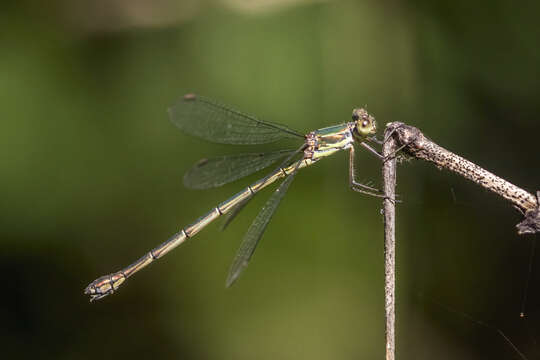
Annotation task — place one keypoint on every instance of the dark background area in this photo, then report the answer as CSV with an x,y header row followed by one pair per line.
x,y
91,178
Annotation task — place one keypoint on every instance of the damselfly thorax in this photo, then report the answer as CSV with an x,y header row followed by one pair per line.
x,y
328,140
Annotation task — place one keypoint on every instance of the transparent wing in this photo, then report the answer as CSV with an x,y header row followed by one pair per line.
x,y
214,122
214,172
238,208
234,212
256,230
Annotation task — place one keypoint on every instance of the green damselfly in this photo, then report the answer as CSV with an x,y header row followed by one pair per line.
x,y
214,122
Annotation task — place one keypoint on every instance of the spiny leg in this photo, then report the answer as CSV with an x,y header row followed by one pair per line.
x,y
375,140
372,150
357,186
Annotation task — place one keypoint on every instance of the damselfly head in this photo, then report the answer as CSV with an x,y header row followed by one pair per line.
x,y
364,123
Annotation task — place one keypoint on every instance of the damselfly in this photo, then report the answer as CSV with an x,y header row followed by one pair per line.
x,y
211,121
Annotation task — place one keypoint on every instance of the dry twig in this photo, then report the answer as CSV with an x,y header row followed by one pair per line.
x,y
411,140
389,207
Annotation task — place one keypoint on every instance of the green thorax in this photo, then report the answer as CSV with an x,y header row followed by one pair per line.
x,y
331,139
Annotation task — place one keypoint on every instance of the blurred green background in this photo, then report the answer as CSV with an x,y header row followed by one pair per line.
x,y
91,178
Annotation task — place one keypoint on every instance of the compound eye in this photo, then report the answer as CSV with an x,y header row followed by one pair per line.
x,y
355,117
